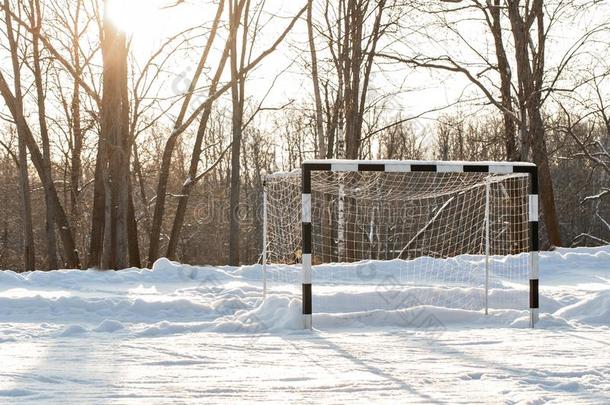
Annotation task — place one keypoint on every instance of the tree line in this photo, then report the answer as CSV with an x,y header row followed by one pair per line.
x,y
103,168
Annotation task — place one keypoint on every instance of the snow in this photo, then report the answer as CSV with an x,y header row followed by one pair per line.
x,y
187,334
592,310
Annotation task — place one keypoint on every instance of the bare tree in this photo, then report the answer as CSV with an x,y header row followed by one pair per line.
x,y
320,136
171,143
24,182
585,120
114,136
16,110
193,177
238,10
534,82
36,23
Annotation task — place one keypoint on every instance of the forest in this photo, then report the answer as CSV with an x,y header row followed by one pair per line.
x,y
134,130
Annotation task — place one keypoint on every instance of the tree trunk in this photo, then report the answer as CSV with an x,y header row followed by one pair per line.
x,y
26,206
115,130
237,98
530,69
99,207
106,260
352,98
545,181
77,131
51,241
368,66
24,180
132,233
139,178
321,149
505,82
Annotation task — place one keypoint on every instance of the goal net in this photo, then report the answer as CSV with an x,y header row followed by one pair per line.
x,y
403,234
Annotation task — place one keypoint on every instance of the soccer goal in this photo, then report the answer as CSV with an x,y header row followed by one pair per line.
x,y
460,235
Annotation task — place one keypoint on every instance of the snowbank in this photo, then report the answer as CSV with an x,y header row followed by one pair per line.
x,y
174,298
163,271
591,310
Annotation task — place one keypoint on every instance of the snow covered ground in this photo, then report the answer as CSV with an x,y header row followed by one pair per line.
x,y
184,334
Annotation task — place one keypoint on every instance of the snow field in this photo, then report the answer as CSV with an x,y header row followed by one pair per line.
x,y
186,334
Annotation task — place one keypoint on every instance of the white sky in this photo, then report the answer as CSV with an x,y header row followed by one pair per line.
x,y
150,25
150,22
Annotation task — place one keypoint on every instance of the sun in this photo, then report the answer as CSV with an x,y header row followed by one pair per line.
x,y
149,22
135,17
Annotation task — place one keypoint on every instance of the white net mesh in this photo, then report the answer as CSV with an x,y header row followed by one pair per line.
x,y
422,235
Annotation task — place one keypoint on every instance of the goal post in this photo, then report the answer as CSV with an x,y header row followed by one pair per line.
x,y
415,212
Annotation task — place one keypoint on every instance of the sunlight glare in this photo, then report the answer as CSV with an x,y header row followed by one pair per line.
x,y
135,17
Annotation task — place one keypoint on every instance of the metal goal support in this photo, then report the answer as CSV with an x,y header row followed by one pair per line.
x,y
417,166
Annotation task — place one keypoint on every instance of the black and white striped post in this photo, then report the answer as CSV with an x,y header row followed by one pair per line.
x,y
534,255
307,168
395,166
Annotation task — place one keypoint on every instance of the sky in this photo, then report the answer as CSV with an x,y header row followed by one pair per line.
x,y
150,22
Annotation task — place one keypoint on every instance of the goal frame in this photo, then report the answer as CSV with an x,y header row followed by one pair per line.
x,y
405,166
